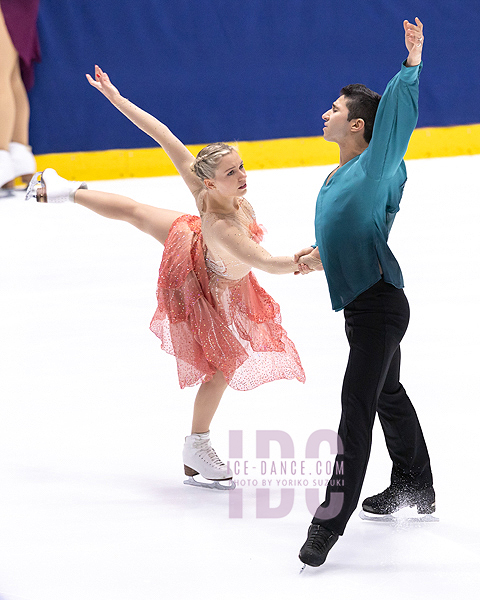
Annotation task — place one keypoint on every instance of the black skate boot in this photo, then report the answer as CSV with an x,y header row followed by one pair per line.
x,y
319,543
396,497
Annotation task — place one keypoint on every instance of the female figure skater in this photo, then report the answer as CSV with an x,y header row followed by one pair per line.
x,y
222,327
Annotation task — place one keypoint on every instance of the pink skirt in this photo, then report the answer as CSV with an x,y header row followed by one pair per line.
x,y
210,323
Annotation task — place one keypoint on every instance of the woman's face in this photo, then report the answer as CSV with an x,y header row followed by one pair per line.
x,y
230,176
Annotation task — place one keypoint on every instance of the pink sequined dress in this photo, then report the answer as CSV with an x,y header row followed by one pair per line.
x,y
213,315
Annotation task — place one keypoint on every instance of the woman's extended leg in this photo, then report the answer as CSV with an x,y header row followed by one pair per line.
x,y
150,219
48,186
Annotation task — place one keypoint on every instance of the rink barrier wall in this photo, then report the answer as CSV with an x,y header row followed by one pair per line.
x,y
266,154
263,70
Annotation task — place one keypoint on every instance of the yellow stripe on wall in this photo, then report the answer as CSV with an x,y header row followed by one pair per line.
x,y
267,154
436,142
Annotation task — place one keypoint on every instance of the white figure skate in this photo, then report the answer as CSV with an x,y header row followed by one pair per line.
x,y
199,458
24,164
48,186
7,172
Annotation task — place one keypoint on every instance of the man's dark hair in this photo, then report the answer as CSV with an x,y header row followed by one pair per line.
x,y
362,103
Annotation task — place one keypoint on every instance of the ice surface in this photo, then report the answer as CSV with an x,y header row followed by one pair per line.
x,y
92,503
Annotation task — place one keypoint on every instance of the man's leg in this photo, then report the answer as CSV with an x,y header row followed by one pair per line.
x,y
403,434
375,324
411,480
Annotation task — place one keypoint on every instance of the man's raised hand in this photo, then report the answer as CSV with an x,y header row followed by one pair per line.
x,y
414,42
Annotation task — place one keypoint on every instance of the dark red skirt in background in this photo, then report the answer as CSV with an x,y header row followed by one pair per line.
x,y
21,20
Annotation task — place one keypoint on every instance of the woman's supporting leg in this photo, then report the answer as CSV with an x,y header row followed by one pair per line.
x,y
206,403
198,454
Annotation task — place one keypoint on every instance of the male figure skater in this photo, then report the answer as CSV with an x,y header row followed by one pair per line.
x,y
355,211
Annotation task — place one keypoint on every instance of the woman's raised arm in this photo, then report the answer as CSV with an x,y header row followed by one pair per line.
x,y
180,156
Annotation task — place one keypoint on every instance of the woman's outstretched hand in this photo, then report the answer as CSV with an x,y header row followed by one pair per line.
x,y
103,84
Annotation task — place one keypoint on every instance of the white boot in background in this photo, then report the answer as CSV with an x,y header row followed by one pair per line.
x,y
24,164
200,458
48,186
7,172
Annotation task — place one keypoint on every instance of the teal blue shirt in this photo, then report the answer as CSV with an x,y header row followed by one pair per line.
x,y
356,208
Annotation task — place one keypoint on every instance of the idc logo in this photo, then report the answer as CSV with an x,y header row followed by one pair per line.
x,y
290,476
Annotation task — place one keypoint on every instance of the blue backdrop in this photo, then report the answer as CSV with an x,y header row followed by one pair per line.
x,y
240,69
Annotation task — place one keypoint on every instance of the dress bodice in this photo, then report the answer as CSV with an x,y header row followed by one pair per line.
x,y
217,258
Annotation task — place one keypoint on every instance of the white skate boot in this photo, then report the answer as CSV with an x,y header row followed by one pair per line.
x,y
200,458
48,186
24,164
7,172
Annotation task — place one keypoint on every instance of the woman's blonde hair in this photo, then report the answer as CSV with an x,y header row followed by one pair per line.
x,y
207,160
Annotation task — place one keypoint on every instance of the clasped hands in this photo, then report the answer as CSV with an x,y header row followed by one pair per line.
x,y
308,261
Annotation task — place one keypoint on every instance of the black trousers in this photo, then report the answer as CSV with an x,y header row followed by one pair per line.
x,y
375,323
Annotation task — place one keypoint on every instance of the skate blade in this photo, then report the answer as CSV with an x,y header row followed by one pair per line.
x,y
214,485
397,518
36,188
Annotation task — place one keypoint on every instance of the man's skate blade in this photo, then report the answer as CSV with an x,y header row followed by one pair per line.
x,y
397,517
212,485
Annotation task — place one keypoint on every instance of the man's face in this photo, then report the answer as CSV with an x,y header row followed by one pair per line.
x,y
337,127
